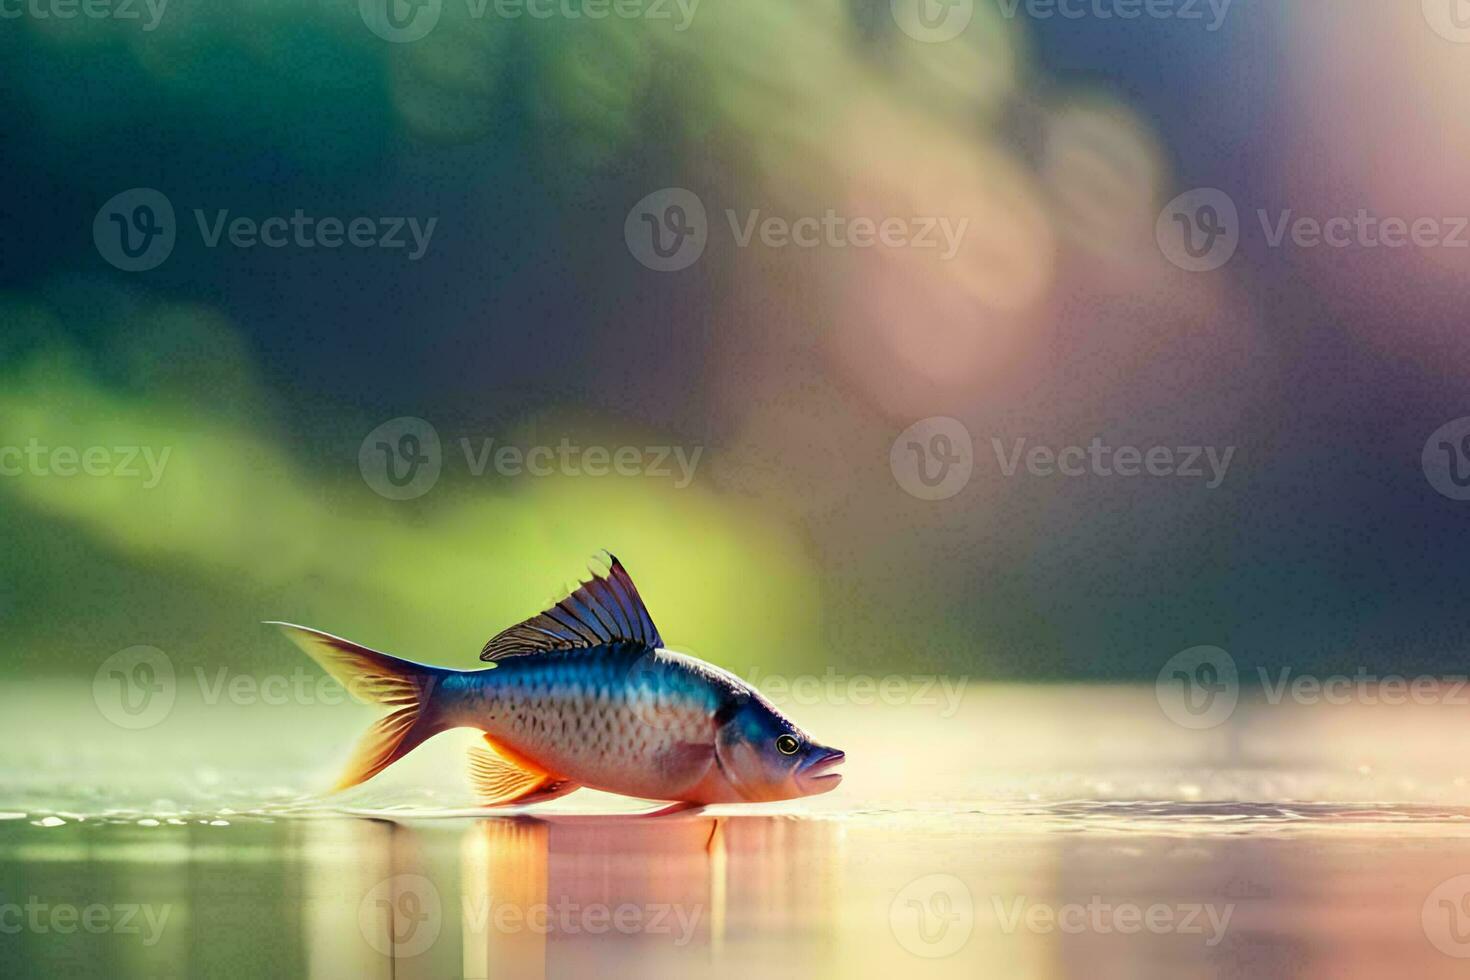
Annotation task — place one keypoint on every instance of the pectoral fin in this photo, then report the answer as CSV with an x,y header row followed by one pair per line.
x,y
501,777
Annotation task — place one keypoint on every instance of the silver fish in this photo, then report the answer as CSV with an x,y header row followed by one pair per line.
x,y
584,694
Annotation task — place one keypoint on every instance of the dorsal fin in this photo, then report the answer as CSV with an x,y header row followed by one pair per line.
x,y
604,609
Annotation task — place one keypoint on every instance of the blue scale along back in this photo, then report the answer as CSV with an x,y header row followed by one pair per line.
x,y
582,694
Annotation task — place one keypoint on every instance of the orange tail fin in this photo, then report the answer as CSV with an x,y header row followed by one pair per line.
x,y
382,679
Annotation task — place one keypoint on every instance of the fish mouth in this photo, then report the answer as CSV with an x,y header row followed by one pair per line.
x,y
817,776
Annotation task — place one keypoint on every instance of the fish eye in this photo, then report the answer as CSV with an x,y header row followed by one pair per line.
x,y
787,744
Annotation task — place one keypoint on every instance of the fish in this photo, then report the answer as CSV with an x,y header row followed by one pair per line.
x,y
583,694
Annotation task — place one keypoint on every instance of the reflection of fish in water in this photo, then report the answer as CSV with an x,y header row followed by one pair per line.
x,y
584,695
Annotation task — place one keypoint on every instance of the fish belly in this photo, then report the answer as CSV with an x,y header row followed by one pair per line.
x,y
637,739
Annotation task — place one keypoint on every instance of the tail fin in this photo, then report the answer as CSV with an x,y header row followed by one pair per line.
x,y
372,676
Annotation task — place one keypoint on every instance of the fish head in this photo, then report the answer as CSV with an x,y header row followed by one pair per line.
x,y
765,756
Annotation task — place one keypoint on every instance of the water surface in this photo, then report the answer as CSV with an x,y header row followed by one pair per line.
x,y
1032,833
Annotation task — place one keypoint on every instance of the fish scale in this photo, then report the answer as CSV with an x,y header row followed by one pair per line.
x,y
584,694
593,713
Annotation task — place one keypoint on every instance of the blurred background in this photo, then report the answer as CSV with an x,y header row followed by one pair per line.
x,y
990,348
1056,138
